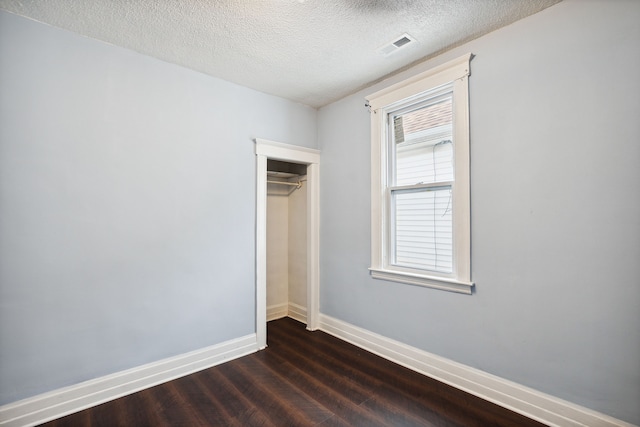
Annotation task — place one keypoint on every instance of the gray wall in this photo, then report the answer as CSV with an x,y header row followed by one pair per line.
x,y
555,153
127,206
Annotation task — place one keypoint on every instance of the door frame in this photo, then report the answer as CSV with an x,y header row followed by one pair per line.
x,y
265,150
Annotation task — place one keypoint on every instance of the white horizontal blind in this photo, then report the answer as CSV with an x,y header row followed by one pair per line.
x,y
422,220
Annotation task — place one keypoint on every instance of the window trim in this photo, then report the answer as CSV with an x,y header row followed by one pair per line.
x,y
456,73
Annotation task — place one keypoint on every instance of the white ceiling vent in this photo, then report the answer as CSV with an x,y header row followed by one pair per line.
x,y
397,44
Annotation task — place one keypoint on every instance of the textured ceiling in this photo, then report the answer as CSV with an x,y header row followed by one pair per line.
x,y
309,51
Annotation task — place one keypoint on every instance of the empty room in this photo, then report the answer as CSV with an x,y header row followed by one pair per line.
x,y
307,212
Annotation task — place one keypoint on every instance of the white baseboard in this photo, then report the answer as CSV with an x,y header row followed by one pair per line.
x,y
531,403
67,400
292,310
277,311
298,312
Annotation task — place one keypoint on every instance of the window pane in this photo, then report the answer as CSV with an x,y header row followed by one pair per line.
x,y
423,235
423,144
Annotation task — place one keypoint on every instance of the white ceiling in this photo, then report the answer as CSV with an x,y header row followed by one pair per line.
x,y
310,51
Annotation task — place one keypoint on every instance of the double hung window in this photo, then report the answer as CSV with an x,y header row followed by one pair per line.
x,y
420,180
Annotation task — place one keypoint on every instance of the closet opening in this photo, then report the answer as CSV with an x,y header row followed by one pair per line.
x,y
286,240
287,235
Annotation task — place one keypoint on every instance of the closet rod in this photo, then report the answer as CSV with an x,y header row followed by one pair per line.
x,y
296,184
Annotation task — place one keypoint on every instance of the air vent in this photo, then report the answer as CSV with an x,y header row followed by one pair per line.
x,y
397,44
401,42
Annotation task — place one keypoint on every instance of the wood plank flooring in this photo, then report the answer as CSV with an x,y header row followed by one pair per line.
x,y
302,379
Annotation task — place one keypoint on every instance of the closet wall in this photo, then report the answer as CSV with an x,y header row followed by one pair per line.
x,y
287,250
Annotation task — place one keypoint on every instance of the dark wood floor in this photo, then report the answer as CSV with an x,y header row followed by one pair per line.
x,y
302,379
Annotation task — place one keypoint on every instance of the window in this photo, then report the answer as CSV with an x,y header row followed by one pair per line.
x,y
420,204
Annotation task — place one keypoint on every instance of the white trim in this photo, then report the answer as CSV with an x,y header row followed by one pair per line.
x,y
277,311
266,149
297,312
64,401
291,153
462,187
313,246
386,101
261,250
531,403
442,283
437,76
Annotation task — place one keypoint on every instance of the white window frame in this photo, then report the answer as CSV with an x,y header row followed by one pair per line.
x,y
455,72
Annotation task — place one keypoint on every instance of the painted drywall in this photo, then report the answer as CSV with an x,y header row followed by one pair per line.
x,y
286,245
277,246
297,247
555,188
127,206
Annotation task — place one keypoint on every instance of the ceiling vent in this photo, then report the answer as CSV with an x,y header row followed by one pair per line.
x,y
400,42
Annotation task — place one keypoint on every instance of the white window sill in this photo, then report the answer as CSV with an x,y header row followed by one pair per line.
x,y
443,283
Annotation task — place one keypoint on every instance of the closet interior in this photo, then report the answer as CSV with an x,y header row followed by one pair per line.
x,y
286,240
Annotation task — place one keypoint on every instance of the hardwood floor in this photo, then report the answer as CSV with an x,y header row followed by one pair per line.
x,y
302,379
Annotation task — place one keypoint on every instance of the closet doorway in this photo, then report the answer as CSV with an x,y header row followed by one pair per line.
x,y
286,240
298,168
